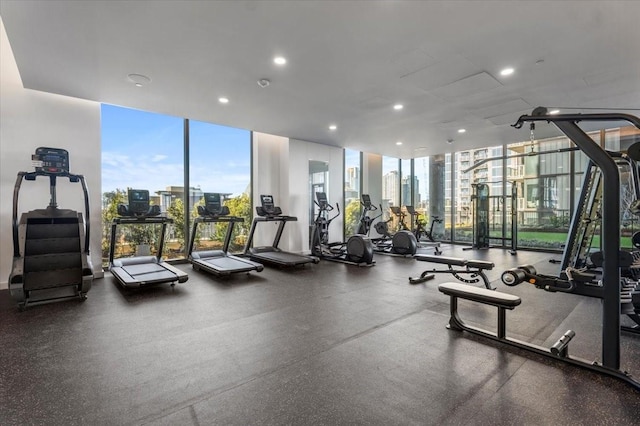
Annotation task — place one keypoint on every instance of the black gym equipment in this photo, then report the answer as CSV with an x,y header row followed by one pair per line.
x,y
141,271
269,212
358,250
401,243
218,262
51,258
570,281
587,218
481,200
472,268
610,283
420,231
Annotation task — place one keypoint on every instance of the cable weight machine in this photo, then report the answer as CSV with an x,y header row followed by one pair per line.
x,y
483,204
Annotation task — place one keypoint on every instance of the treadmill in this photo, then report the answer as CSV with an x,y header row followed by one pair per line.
x,y
268,212
218,262
51,259
140,271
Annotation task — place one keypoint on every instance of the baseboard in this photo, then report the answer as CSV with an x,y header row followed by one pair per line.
x,y
4,285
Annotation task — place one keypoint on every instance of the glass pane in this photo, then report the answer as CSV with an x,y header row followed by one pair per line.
x,y
420,190
463,210
220,161
449,209
547,193
406,188
352,176
142,150
390,187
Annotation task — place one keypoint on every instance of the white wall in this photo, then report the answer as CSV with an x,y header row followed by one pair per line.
x,y
270,177
30,119
281,168
300,153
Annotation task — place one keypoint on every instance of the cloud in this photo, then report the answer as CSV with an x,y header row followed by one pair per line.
x,y
159,157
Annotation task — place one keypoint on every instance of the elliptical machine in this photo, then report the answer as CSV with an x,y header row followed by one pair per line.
x,y
402,243
358,250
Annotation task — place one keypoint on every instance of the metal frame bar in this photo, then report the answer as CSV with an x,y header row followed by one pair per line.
x,y
567,123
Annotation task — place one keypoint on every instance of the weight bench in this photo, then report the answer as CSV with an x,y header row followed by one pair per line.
x,y
474,268
502,301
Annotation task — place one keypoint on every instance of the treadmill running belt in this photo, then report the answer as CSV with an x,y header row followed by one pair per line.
x,y
226,264
142,274
283,258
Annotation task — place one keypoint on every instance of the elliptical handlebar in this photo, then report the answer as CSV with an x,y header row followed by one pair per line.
x,y
369,206
325,207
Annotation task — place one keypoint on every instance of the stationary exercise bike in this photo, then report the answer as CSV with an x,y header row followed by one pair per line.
x,y
401,243
358,250
421,232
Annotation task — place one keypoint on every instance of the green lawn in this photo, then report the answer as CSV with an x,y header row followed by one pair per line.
x,y
560,238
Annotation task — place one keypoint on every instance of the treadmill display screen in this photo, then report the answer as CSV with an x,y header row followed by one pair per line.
x,y
212,203
138,201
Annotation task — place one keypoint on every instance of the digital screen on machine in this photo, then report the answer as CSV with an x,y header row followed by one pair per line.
x,y
138,195
51,160
212,202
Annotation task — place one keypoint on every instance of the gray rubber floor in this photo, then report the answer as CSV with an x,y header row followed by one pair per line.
x,y
322,344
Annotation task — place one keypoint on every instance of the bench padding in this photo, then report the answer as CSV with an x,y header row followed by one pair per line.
x,y
455,261
481,295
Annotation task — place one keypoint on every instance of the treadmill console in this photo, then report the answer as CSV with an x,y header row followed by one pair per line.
x,y
51,161
139,205
268,207
138,201
213,205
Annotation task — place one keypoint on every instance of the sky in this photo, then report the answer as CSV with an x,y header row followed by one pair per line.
x,y
144,150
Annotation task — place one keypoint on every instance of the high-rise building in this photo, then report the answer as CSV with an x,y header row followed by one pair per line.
x,y
352,179
406,191
390,186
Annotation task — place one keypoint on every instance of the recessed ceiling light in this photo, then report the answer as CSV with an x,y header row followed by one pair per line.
x,y
223,100
507,71
333,127
462,130
279,60
554,111
398,143
398,106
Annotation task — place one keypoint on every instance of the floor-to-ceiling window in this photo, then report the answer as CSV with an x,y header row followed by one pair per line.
x,y
219,161
407,184
352,176
390,188
142,150
421,190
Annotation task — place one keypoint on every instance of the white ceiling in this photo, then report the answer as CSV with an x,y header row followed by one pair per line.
x,y
348,63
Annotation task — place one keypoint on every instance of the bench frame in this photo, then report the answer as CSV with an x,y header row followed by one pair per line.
x,y
483,296
471,268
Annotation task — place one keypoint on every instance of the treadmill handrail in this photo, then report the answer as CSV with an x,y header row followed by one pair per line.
x,y
32,176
